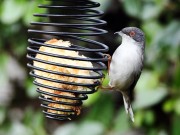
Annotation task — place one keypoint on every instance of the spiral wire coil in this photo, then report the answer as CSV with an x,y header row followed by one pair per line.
x,y
83,12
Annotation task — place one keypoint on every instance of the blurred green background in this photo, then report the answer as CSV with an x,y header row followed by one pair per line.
x,y
157,95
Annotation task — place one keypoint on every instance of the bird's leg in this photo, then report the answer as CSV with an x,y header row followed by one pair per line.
x,y
109,60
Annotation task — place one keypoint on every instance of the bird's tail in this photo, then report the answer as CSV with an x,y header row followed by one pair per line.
x,y
128,107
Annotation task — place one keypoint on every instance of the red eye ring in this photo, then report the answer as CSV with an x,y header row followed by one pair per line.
x,y
132,33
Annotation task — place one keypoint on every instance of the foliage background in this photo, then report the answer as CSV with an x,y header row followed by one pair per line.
x,y
157,94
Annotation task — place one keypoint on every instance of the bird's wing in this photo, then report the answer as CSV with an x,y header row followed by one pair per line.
x,y
136,77
129,90
135,80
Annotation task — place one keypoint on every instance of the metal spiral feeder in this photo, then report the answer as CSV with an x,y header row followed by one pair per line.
x,y
83,14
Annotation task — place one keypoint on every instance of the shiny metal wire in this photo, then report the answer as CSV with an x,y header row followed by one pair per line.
x,y
85,24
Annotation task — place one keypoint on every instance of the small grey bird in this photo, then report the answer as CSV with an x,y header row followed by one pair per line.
x,y
127,63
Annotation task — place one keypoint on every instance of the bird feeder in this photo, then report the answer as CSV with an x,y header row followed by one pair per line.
x,y
65,62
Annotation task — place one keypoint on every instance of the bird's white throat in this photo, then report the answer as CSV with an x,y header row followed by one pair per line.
x,y
127,40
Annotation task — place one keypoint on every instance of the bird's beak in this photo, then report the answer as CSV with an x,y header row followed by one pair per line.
x,y
116,33
119,32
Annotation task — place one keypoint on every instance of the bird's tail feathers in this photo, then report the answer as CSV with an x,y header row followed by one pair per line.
x,y
128,107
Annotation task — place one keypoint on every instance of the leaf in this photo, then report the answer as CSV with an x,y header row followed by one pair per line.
x,y
6,87
168,105
176,79
169,35
38,123
144,116
31,89
175,125
121,123
13,65
162,132
102,111
92,99
149,117
132,7
35,121
12,11
148,91
2,115
146,98
150,10
18,128
177,107
19,47
67,129
90,128
32,7
144,9
148,80
153,131
1,8
165,44
151,29
1,43
85,128
139,117
28,116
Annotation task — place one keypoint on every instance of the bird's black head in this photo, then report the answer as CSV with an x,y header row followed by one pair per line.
x,y
135,33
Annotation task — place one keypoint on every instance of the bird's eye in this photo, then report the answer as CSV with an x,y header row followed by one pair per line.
x,y
132,33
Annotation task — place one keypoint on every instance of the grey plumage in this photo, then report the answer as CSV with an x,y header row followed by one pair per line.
x,y
127,63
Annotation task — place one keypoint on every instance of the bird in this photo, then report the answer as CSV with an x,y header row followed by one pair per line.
x,y
127,63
